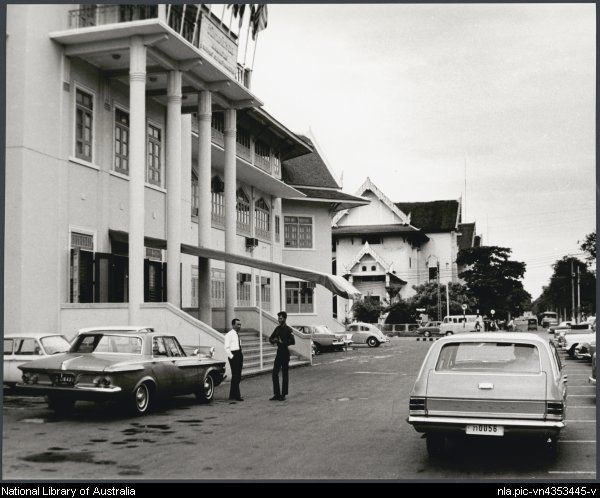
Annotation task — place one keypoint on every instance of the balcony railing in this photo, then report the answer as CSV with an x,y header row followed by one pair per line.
x,y
263,163
94,15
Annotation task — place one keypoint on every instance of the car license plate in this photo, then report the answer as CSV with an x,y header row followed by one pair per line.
x,y
65,379
485,430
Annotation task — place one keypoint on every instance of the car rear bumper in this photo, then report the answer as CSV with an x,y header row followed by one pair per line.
x,y
458,424
88,393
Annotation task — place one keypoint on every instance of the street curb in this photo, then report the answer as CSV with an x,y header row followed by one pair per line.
x,y
269,370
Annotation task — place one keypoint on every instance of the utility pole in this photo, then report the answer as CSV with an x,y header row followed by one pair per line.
x,y
439,300
572,292
447,299
578,297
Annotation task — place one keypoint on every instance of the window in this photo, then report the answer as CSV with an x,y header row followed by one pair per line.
x,y
81,268
373,268
277,228
8,346
121,141
262,219
372,239
243,211
154,147
264,291
244,289
27,346
410,262
299,297
194,194
173,347
364,268
433,273
298,231
84,120
218,201
217,289
489,356
154,254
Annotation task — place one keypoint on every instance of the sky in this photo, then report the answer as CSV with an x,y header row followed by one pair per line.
x,y
422,97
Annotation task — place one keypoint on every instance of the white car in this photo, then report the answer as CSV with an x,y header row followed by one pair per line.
x,y
573,340
22,348
367,333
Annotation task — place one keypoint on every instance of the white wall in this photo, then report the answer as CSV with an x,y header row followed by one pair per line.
x,y
375,213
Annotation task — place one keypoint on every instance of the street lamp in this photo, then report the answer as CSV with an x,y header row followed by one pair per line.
x,y
439,300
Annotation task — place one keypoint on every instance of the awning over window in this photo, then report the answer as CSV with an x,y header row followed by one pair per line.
x,y
336,284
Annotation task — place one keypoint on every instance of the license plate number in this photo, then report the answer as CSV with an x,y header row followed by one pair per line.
x,y
65,379
485,430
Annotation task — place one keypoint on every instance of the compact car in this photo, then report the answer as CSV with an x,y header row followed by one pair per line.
x,y
367,333
323,338
429,329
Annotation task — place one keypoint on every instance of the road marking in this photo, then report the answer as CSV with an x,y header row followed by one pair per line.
x,y
583,406
574,420
571,472
581,395
577,441
379,373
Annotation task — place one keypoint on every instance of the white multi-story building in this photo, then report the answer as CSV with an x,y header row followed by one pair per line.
x,y
134,144
385,248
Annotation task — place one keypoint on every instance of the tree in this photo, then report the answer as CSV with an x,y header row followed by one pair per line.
x,y
400,311
560,292
494,280
589,246
427,297
366,310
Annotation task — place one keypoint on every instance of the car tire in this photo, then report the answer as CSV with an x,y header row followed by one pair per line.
x,y
207,391
436,445
427,333
142,399
448,333
372,342
571,351
316,349
60,405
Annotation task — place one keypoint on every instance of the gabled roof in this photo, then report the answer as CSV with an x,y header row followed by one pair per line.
x,y
466,237
367,249
309,170
432,216
369,186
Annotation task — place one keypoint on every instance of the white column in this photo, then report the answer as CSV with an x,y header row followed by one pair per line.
x,y
230,212
173,174
137,173
204,203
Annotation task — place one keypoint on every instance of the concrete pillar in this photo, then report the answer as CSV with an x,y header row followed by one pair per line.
x,y
137,174
230,212
204,203
173,173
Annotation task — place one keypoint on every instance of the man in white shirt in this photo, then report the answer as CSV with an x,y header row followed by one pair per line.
x,y
233,349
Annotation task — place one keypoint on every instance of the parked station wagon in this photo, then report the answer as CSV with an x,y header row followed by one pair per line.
x,y
131,365
489,385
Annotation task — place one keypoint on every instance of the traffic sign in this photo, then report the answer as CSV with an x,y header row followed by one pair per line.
x,y
492,311
464,307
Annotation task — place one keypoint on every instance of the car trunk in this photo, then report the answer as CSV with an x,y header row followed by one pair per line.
x,y
481,394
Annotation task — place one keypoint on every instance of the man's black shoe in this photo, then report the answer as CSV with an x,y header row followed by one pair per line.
x,y
275,398
281,398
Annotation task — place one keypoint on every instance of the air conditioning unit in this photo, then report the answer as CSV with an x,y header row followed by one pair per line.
x,y
251,242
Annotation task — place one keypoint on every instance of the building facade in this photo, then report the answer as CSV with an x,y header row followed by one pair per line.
x,y
143,180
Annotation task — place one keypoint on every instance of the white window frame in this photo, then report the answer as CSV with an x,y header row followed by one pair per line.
x,y
163,171
312,248
114,138
84,231
314,312
73,158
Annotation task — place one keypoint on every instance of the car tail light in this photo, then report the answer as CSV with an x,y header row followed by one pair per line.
x,y
29,378
555,410
417,405
102,381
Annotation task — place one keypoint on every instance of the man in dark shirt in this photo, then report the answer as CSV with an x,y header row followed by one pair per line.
x,y
283,336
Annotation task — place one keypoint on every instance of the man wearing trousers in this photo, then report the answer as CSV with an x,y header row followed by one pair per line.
x,y
283,336
233,349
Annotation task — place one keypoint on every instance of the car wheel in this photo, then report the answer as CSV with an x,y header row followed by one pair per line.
x,y
436,444
448,333
427,333
372,342
206,393
60,406
316,349
141,399
572,351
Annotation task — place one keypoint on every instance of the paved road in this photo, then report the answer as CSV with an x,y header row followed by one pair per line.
x,y
345,419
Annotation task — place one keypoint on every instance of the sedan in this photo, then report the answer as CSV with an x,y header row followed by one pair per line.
x,y
367,333
429,329
323,338
19,349
130,365
561,326
489,385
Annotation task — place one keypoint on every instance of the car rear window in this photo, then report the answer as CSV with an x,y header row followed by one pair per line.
x,y
55,344
99,343
489,356
8,346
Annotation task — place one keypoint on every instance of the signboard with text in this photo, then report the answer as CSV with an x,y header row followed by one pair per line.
x,y
215,43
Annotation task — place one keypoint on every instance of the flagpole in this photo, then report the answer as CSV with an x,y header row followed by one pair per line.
x,y
223,15
247,38
254,53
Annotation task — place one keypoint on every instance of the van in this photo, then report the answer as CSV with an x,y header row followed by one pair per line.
x,y
455,324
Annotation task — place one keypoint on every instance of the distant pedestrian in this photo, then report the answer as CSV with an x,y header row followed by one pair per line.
x,y
233,349
283,336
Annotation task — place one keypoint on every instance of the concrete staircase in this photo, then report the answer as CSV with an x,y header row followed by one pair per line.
x,y
251,350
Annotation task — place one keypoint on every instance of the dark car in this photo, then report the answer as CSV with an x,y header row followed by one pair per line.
x,y
429,329
130,365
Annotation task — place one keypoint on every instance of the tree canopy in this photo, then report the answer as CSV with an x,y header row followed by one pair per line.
x,y
589,247
494,280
